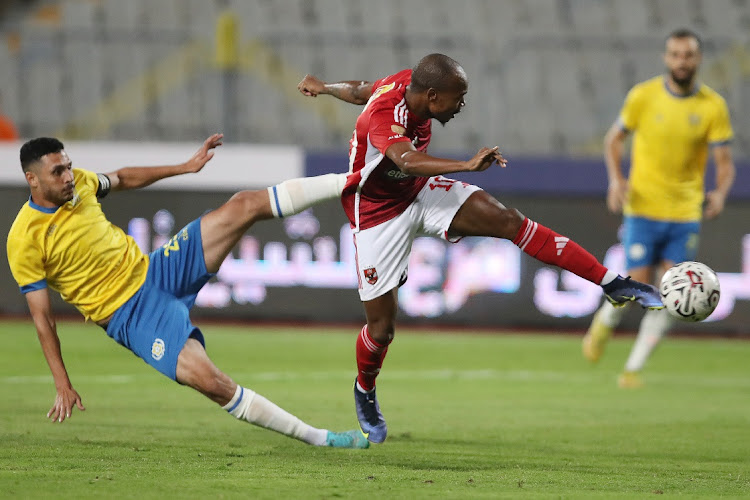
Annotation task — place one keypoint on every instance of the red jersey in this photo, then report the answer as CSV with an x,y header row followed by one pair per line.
x,y
376,189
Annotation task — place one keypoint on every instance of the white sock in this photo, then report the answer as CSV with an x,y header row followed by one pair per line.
x,y
608,278
654,326
254,408
295,195
361,389
611,315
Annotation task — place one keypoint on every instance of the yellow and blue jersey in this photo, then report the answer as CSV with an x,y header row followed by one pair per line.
x,y
76,251
672,135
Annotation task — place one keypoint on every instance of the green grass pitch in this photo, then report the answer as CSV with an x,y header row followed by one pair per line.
x,y
469,415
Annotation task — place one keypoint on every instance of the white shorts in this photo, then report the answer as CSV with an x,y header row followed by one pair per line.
x,y
382,252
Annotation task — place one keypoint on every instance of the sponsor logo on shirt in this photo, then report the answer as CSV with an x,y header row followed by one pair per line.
x,y
396,174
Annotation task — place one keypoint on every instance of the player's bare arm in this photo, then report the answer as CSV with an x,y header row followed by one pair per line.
x,y
44,321
139,177
352,91
416,163
725,173
614,143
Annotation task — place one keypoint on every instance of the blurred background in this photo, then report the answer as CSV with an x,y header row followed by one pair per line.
x,y
113,78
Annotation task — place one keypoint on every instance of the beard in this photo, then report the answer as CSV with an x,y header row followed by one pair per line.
x,y
60,198
683,81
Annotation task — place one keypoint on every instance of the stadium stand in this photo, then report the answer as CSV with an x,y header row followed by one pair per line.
x,y
546,76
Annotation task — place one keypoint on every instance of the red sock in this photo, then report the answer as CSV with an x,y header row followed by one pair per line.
x,y
370,356
551,248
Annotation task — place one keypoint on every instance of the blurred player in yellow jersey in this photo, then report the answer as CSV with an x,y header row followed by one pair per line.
x,y
62,240
675,121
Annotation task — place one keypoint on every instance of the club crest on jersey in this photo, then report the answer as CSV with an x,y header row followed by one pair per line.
x,y
371,275
157,349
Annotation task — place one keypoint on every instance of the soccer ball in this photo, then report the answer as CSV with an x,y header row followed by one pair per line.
x,y
690,291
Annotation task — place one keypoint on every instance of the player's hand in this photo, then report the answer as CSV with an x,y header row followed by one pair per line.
x,y
64,402
311,86
204,153
616,195
714,204
484,159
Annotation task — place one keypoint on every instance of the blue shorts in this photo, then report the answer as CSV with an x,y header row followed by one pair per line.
x,y
155,322
648,242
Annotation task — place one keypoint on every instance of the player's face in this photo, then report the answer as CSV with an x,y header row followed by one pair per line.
x,y
52,177
446,104
682,58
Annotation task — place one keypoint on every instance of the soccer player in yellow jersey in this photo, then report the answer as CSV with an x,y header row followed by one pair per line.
x,y
675,121
62,241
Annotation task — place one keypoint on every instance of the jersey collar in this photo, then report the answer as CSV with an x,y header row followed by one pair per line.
x,y
693,91
41,208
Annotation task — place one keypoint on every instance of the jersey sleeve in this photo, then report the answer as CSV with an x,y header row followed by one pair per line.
x,y
86,178
26,265
630,113
720,131
377,84
385,130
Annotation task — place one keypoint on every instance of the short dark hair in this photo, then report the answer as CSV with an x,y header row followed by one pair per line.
x,y
434,71
33,150
686,33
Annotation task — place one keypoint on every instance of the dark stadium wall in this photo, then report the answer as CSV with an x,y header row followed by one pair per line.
x,y
301,268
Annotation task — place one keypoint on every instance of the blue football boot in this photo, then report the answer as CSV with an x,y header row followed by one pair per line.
x,y
371,421
623,290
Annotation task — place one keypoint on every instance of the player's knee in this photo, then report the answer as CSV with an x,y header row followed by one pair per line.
x,y
251,205
509,223
381,331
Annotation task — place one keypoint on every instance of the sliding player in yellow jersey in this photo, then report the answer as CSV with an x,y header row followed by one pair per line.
x,y
676,121
62,240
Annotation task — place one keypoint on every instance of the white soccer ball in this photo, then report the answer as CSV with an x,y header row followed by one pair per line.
x,y
690,291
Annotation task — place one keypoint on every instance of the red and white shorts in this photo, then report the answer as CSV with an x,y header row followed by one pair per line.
x,y
382,251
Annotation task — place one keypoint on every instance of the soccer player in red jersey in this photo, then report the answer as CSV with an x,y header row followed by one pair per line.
x,y
395,190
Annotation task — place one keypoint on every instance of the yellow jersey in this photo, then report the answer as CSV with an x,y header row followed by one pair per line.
x,y
672,135
76,251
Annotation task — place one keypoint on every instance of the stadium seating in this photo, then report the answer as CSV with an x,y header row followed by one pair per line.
x,y
546,76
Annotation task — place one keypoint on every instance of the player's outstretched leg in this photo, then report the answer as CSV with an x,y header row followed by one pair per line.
x,y
370,418
253,408
196,370
482,215
222,228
